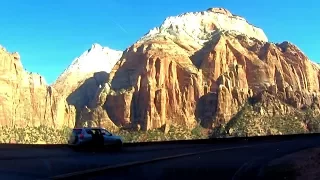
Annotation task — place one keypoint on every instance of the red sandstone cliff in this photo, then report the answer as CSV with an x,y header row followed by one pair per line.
x,y
27,100
199,66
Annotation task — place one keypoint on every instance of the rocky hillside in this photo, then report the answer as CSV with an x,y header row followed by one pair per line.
x,y
26,99
85,79
203,67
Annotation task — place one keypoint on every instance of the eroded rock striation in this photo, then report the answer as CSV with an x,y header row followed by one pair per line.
x,y
26,99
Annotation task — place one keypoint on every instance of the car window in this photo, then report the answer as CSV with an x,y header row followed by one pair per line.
x,y
89,131
103,131
94,131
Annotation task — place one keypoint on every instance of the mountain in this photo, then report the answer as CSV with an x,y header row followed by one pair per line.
x,y
210,67
94,60
84,80
26,99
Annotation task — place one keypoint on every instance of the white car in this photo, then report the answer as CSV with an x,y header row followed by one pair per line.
x,y
93,137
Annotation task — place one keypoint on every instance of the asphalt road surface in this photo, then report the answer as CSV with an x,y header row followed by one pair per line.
x,y
222,162
37,163
233,163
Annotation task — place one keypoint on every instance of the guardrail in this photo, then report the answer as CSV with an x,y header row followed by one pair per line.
x,y
194,141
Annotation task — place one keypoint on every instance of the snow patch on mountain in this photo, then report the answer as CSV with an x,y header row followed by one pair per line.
x,y
95,59
200,26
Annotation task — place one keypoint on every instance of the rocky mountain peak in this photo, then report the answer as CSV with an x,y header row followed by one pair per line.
x,y
97,58
16,55
220,10
96,45
199,27
286,46
94,60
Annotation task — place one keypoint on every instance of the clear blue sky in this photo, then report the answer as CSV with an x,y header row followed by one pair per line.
x,y
49,34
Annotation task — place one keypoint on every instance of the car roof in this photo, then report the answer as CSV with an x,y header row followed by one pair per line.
x,y
88,128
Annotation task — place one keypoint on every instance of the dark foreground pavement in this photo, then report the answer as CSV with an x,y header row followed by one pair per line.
x,y
221,163
240,163
37,163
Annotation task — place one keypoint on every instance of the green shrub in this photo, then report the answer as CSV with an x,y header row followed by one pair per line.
x,y
34,135
49,135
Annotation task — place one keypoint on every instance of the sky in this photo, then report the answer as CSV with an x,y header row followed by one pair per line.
x,y
50,34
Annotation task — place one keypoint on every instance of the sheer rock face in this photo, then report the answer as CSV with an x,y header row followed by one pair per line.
x,y
26,99
171,75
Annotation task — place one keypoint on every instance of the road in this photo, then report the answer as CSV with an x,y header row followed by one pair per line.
x,y
221,163
36,163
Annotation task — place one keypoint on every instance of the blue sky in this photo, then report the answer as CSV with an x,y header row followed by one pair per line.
x,y
50,34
